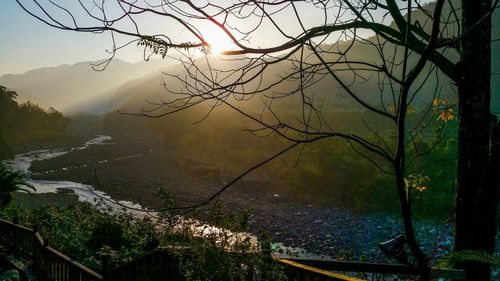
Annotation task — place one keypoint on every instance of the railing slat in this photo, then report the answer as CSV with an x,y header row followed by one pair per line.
x,y
307,273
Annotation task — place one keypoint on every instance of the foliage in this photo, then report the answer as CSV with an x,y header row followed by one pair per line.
x,y
326,172
456,257
417,182
217,253
10,275
220,217
208,261
444,109
106,233
157,45
70,230
11,181
80,231
25,126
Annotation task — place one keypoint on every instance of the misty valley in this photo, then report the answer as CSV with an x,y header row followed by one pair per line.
x,y
309,203
249,140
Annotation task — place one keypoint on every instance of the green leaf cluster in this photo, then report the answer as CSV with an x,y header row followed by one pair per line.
x,y
455,258
76,231
156,45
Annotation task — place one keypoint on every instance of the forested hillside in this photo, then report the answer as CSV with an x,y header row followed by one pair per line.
x,y
27,126
78,87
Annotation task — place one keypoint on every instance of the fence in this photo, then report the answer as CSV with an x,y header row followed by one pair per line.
x,y
48,264
301,272
359,267
51,265
160,265
16,239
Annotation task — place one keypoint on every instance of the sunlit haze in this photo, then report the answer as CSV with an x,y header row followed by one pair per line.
x,y
272,140
27,43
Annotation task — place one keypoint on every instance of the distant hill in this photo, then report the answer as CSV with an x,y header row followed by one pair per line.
x,y
135,95
327,91
77,87
137,90
23,97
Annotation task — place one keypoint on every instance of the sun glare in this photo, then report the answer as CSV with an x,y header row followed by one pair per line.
x,y
218,40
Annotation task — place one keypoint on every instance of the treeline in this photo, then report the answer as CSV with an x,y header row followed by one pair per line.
x,y
27,126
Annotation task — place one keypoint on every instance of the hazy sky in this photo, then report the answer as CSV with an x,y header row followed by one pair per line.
x,y
28,43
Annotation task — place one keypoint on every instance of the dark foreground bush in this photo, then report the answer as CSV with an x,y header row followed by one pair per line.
x,y
103,240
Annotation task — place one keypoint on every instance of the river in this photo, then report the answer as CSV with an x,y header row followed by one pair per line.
x,y
85,193
332,232
100,199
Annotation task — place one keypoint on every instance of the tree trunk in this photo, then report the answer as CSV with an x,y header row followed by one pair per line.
x,y
420,257
476,200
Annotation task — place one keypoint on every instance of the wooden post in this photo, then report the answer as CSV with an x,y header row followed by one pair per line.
x,y
495,150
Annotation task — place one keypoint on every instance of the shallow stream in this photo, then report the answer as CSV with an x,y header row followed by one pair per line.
x,y
85,193
100,199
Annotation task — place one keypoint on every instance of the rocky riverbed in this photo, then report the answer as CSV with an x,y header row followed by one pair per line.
x,y
134,170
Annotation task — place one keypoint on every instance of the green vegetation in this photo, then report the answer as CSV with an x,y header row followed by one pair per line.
x,y
454,258
328,172
27,126
103,240
11,181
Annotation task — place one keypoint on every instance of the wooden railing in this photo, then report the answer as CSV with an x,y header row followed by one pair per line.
x,y
160,264
48,264
16,239
361,267
301,272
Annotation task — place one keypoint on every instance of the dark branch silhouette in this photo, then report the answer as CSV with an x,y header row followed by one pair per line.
x,y
407,43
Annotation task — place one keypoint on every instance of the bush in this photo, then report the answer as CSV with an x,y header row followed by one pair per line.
x,y
106,233
102,241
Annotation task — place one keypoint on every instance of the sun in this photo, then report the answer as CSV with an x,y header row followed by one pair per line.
x,y
217,46
218,40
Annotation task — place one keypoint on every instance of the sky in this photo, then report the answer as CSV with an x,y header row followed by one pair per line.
x,y
27,43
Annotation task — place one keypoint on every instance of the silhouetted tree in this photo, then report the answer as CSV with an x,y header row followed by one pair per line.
x,y
477,180
406,44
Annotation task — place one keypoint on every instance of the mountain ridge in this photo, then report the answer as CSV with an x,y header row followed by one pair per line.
x,y
77,87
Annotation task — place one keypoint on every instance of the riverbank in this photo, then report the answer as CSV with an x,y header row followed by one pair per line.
x,y
62,198
134,171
